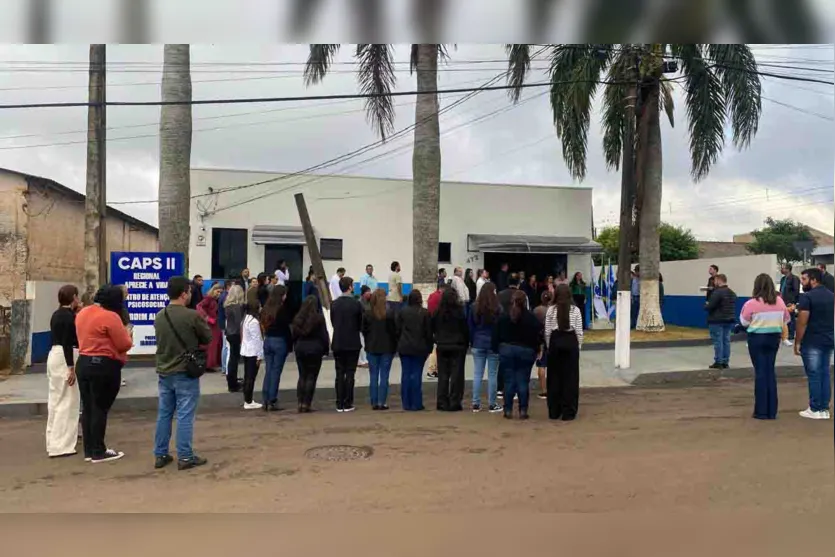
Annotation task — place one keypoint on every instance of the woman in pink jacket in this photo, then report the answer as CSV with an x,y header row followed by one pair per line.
x,y
208,309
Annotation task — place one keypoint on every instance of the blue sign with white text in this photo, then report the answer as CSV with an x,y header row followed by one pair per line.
x,y
145,274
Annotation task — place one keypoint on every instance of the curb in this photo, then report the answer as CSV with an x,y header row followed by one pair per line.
x,y
325,396
699,377
661,343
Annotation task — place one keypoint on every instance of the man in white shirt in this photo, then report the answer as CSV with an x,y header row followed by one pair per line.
x,y
282,273
394,298
460,287
336,291
483,279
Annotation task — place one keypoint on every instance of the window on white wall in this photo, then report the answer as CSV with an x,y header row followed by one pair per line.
x,y
229,252
444,252
330,249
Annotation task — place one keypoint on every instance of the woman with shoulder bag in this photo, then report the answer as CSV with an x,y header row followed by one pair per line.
x,y
103,344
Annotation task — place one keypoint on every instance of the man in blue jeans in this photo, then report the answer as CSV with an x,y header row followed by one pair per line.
x,y
721,317
178,330
814,341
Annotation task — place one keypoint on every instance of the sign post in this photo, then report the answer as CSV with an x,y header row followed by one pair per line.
x,y
145,274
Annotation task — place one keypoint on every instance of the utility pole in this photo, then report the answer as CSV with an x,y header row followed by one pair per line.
x,y
313,248
95,210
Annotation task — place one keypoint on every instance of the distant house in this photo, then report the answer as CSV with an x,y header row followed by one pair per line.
x,y
42,233
823,254
822,238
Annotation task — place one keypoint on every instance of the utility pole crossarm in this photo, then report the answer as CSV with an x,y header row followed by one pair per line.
x,y
313,248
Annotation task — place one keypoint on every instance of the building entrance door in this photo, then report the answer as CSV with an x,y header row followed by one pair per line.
x,y
293,255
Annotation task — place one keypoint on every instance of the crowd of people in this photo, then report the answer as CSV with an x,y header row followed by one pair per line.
x,y
507,328
800,313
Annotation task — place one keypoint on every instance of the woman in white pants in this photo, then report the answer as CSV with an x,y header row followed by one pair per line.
x,y
63,402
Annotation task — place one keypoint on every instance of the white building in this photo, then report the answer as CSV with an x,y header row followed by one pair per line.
x,y
360,221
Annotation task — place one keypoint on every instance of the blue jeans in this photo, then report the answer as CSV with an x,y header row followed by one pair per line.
x,y
379,367
720,334
792,325
411,386
224,356
176,392
483,357
816,361
636,308
763,351
275,354
516,362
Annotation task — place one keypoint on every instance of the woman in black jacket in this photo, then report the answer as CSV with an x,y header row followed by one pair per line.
x,y
517,338
414,343
312,343
452,335
380,332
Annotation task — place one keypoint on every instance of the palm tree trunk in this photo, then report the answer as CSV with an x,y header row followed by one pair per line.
x,y
175,152
426,172
649,317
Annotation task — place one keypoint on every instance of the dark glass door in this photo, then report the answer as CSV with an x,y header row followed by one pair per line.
x,y
293,255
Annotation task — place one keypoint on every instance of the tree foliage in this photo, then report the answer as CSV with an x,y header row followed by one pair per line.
x,y
677,244
778,237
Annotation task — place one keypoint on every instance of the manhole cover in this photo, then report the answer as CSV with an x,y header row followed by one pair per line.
x,y
339,453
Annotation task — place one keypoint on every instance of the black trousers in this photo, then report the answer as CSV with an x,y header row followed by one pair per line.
x,y
563,379
309,367
250,373
234,359
99,381
451,378
580,302
345,363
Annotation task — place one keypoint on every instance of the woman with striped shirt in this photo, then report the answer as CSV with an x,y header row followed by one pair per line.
x,y
563,338
765,318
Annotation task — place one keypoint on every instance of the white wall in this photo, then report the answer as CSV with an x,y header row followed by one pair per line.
x,y
684,278
373,216
43,297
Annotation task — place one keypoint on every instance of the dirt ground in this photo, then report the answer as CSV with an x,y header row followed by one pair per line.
x,y
692,449
671,332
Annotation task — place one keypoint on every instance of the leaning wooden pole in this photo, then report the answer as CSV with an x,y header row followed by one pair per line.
x,y
313,249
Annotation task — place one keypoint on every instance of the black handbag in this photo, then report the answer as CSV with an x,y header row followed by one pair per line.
x,y
195,359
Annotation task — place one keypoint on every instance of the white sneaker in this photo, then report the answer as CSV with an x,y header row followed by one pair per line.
x,y
812,415
825,414
788,342
252,405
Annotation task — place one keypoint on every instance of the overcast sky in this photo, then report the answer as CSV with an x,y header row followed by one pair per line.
x,y
787,171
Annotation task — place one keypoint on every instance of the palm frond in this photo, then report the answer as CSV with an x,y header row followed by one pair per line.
x,y
376,76
736,67
518,65
318,62
706,108
667,104
575,74
617,98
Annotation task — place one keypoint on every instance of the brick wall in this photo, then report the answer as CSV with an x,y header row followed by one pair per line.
x,y
13,245
56,236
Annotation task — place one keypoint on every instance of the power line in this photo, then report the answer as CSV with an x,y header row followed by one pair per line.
x,y
396,150
798,109
335,160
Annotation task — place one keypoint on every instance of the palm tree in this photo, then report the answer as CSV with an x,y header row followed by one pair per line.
x,y
175,151
376,76
720,83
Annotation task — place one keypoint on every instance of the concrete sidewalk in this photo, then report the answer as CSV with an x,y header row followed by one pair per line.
x,y
26,394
